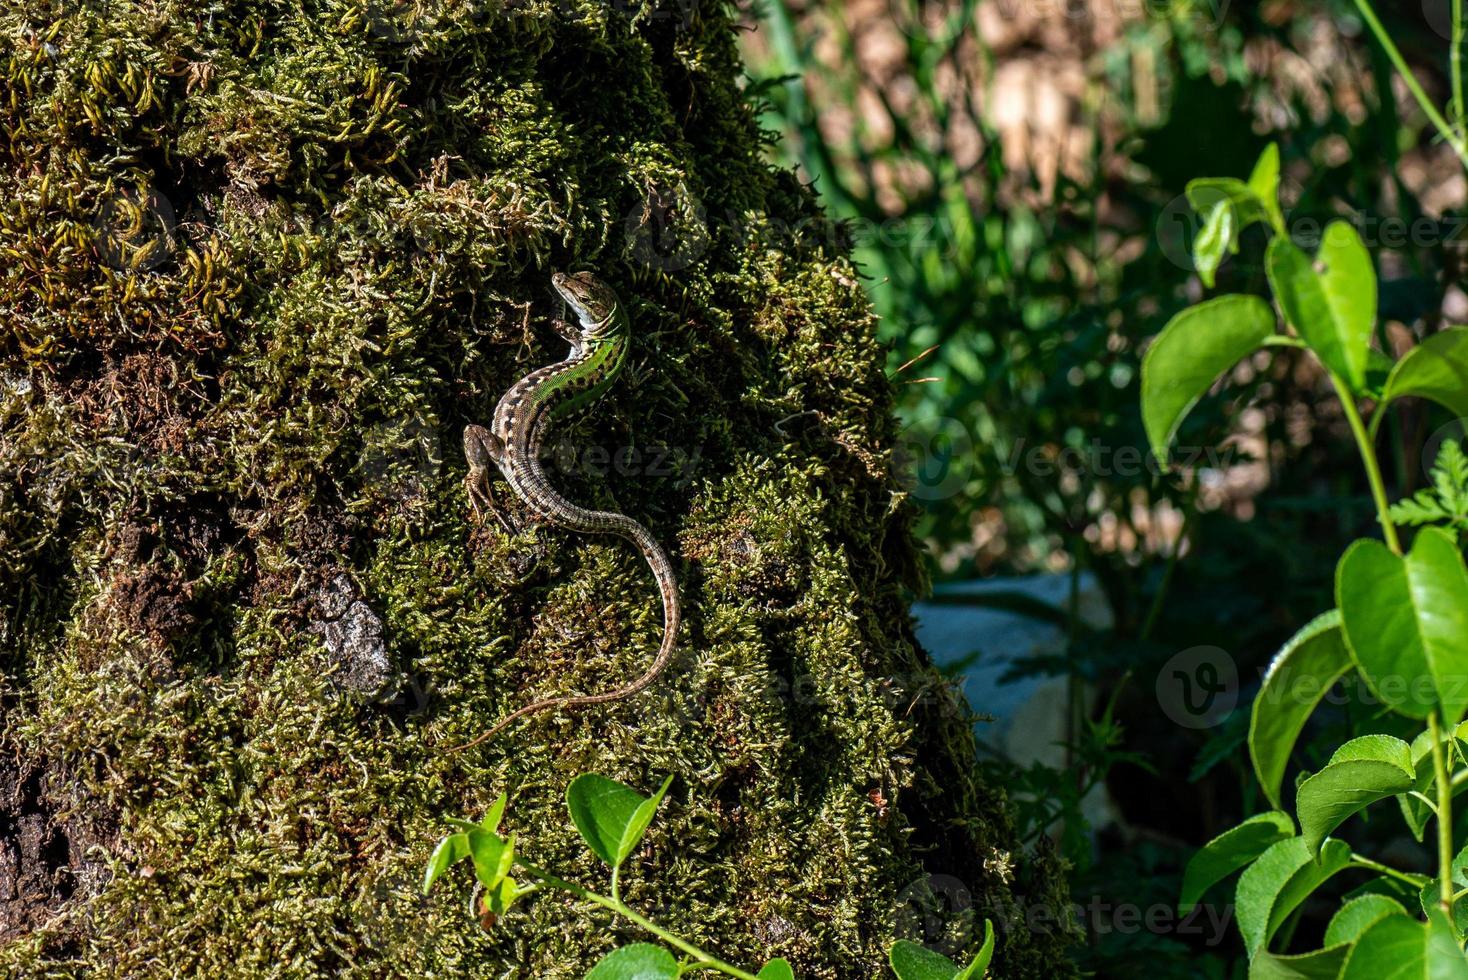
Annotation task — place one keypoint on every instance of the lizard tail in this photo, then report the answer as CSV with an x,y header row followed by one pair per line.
x,y
662,569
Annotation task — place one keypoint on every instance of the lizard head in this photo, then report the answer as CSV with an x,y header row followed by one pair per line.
x,y
593,300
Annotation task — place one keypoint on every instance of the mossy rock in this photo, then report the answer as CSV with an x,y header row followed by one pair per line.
x,y
259,265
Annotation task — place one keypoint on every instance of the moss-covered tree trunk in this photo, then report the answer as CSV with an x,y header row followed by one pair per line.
x,y
260,262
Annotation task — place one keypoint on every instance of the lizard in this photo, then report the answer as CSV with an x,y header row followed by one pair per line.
x,y
512,444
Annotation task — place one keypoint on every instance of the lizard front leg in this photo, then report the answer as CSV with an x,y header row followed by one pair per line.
x,y
568,332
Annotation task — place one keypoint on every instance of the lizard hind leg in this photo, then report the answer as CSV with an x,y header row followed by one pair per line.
x,y
484,452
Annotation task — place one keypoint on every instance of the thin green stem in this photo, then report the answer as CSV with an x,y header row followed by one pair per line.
x,y
1283,340
1368,459
1454,138
1444,815
703,959
1416,881
1455,52
1158,600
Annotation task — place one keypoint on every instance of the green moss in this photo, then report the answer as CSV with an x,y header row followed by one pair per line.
x,y
259,264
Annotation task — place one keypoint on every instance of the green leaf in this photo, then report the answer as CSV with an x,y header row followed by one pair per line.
x,y
1350,921
1218,238
1414,810
1230,851
610,816
1400,947
1206,193
1362,771
1436,369
1358,915
1334,311
1430,899
1264,184
640,961
1406,622
1298,678
493,857
978,968
777,970
450,850
913,962
496,813
1196,346
1277,882
503,895
1323,964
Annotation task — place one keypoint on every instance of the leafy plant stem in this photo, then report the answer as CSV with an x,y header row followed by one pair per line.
x,y
1444,815
1358,861
1385,39
703,959
1368,459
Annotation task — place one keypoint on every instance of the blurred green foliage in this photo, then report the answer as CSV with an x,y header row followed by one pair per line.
x,y
1025,302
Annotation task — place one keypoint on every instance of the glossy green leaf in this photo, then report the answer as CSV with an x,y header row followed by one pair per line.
x,y
1406,622
1333,310
496,813
610,816
1322,964
1414,811
1218,238
1230,851
913,962
1404,893
1191,352
978,967
1264,184
1436,369
1277,882
1430,900
640,961
1298,678
1400,947
450,851
468,826
503,895
777,970
1206,193
1362,771
493,857
1358,915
